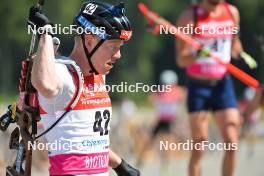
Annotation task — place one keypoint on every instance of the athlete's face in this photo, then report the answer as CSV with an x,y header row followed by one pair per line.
x,y
106,55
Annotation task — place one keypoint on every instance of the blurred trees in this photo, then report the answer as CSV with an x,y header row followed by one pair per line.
x,y
143,58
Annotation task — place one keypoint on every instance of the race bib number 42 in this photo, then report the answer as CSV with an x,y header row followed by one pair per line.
x,y
101,123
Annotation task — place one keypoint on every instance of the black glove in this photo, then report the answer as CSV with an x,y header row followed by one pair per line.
x,y
124,169
36,17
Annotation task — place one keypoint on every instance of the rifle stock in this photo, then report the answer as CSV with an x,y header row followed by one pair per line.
x,y
26,120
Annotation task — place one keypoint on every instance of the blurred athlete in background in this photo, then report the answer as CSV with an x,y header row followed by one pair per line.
x,y
210,86
167,107
251,122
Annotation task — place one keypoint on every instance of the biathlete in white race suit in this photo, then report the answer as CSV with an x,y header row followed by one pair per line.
x,y
167,106
210,87
76,95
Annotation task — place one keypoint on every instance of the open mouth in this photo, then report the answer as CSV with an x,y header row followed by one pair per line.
x,y
111,64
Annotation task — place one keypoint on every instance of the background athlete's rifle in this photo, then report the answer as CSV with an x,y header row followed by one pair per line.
x,y
26,114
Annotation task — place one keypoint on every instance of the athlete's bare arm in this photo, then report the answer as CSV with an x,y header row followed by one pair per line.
x,y
114,159
253,105
236,43
185,54
43,75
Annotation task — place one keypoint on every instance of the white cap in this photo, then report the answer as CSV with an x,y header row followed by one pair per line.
x,y
168,77
249,93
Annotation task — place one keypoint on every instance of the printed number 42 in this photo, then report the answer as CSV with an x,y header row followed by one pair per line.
x,y
97,127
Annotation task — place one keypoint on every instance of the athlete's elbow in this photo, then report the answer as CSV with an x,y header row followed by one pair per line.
x,y
47,89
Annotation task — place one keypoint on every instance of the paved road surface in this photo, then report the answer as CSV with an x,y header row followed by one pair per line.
x,y
211,165
246,166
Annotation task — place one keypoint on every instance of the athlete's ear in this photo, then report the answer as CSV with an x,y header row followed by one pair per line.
x,y
90,41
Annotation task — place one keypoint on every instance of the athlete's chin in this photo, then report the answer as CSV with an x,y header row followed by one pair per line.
x,y
105,71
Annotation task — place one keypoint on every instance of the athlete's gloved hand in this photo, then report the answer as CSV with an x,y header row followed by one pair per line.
x,y
250,61
203,52
36,17
124,169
